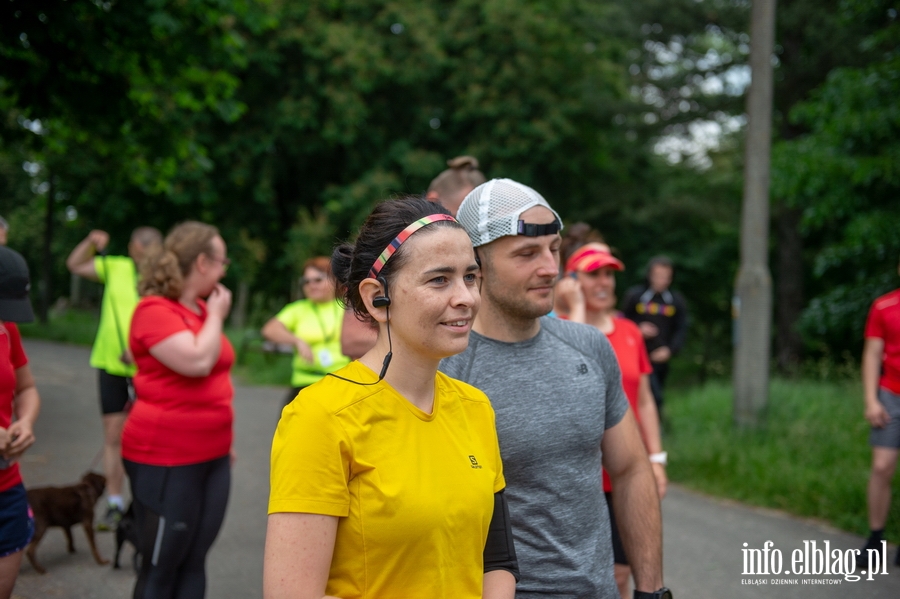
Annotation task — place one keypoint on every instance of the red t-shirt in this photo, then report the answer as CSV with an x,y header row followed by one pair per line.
x,y
628,343
176,420
884,323
12,357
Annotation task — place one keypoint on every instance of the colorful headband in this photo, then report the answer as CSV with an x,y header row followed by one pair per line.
x,y
403,236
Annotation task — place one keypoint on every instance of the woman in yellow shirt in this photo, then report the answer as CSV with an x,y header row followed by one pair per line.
x,y
386,476
312,326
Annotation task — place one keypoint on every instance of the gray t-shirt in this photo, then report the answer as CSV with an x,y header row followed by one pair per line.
x,y
554,395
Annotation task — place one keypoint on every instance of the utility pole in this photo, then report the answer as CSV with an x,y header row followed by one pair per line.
x,y
753,289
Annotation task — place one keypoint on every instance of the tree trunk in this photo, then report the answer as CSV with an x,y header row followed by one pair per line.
x,y
789,289
239,314
74,290
47,257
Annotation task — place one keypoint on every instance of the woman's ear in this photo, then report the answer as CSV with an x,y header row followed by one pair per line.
x,y
369,289
202,263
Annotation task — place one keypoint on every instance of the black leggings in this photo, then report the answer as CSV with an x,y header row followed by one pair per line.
x,y
178,512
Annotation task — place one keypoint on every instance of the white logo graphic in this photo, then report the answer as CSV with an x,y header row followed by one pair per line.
x,y
812,560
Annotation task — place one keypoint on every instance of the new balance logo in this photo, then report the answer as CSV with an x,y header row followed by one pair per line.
x,y
475,463
582,369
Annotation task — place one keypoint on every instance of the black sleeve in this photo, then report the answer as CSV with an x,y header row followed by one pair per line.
x,y
500,550
680,325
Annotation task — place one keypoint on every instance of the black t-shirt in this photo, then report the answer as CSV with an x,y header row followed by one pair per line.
x,y
666,310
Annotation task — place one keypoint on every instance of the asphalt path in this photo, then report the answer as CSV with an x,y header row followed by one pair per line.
x,y
704,543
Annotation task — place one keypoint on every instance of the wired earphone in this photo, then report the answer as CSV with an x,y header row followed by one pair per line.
x,y
384,300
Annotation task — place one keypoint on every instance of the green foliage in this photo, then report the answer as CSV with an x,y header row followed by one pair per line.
x,y
359,101
844,174
253,366
812,459
109,101
283,122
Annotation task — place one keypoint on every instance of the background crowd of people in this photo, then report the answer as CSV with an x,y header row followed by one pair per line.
x,y
478,281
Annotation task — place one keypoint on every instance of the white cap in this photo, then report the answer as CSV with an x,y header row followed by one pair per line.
x,y
493,210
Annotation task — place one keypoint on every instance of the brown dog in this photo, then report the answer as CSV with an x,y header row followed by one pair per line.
x,y
66,507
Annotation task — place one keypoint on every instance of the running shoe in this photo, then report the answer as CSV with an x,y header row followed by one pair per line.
x,y
111,520
862,559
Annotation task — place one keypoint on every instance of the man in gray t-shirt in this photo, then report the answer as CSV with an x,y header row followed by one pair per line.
x,y
561,412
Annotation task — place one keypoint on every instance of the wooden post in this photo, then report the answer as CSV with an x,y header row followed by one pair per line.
x,y
753,289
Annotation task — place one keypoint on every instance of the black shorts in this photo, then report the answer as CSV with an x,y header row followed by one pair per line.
x,y
113,392
618,548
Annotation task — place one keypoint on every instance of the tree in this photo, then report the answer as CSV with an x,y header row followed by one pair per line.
x,y
106,99
843,178
354,102
692,71
248,114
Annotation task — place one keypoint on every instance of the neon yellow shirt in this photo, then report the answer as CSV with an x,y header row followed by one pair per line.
x,y
319,325
414,492
120,297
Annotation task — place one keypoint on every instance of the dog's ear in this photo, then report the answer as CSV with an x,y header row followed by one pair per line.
x,y
97,481
88,496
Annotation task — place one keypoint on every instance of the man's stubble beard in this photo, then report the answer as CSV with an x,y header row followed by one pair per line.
x,y
514,308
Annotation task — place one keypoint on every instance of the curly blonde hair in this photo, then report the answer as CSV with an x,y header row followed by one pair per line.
x,y
163,271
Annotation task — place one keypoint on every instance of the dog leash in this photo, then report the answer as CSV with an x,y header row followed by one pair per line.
x,y
96,460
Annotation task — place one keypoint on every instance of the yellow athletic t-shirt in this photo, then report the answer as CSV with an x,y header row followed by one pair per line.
x,y
414,492
319,325
120,298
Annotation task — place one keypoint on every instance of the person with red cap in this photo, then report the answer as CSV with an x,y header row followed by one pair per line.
x,y
589,290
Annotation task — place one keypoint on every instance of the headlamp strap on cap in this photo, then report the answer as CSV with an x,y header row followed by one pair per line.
x,y
403,236
532,230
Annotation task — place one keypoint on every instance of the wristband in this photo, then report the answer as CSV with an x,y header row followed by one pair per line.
x,y
662,593
659,458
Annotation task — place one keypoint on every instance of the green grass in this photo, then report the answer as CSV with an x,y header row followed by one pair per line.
x,y
255,367
812,457
69,326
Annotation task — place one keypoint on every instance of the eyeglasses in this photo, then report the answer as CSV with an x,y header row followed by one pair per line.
x,y
223,261
306,281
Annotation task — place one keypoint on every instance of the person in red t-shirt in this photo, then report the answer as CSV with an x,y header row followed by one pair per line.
x,y
589,294
176,443
19,398
881,389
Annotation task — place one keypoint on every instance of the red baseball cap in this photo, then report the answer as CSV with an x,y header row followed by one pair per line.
x,y
591,257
